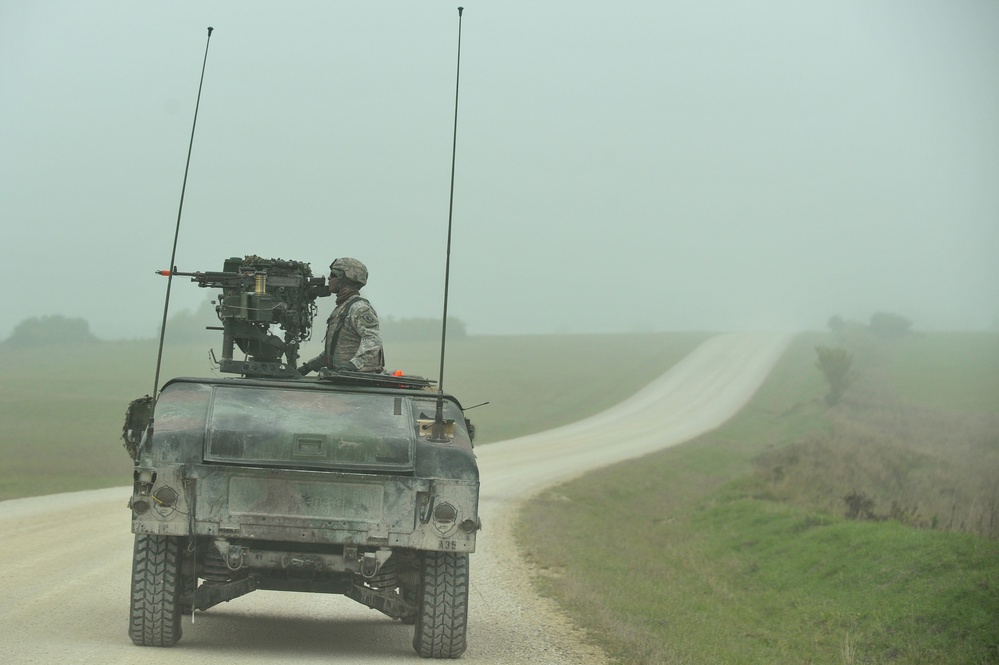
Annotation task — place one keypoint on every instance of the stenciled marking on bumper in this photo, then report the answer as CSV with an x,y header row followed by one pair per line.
x,y
324,500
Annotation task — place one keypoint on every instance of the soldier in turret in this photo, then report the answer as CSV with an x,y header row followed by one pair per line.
x,y
353,340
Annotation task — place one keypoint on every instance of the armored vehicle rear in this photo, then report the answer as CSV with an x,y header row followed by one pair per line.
x,y
358,484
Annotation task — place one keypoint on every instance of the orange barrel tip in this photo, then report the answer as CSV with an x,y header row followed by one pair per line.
x,y
165,273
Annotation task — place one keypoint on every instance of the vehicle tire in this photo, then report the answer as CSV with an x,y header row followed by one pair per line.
x,y
154,617
443,605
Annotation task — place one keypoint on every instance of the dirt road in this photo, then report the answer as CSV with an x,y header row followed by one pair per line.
x,y
65,559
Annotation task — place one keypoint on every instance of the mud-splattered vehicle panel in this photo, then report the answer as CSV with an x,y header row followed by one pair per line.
x,y
303,485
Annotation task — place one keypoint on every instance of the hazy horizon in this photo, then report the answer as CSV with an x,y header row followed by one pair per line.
x,y
654,166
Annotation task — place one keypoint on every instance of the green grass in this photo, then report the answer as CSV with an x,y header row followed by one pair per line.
x,y
62,407
927,596
954,370
688,556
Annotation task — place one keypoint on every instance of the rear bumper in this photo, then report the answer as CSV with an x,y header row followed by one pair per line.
x,y
365,510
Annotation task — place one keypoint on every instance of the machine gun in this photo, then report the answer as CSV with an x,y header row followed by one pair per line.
x,y
257,293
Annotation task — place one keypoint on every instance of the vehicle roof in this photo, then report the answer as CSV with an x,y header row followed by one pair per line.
x,y
376,384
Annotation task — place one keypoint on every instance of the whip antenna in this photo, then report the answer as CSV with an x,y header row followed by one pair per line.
x,y
180,209
437,432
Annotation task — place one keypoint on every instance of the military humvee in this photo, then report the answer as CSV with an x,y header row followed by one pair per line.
x,y
342,484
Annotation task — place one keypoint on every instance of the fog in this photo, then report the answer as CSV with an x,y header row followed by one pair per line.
x,y
620,166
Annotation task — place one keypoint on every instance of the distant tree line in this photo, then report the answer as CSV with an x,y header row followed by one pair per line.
x,y
189,326
420,329
51,330
885,325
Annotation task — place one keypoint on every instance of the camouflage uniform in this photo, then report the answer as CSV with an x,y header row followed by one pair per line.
x,y
359,344
353,339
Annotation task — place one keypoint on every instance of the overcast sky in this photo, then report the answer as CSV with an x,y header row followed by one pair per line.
x,y
729,165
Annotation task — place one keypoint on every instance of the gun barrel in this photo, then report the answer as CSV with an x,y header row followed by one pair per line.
x,y
210,279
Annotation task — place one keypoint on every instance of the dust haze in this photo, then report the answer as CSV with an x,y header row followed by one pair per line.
x,y
641,166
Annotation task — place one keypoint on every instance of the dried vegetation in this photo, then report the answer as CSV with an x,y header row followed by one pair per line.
x,y
882,457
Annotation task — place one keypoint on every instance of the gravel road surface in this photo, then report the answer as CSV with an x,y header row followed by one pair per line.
x,y
65,559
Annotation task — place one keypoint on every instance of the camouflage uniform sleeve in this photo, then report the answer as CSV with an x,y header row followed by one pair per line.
x,y
315,363
370,356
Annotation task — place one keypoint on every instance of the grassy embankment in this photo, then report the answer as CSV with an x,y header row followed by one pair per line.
x,y
735,548
62,407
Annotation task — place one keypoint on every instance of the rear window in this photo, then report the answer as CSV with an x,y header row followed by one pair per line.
x,y
426,409
310,429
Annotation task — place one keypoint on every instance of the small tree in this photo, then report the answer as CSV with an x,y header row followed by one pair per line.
x,y
887,324
835,365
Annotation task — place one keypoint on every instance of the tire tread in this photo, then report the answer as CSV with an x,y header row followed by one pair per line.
x,y
154,617
442,621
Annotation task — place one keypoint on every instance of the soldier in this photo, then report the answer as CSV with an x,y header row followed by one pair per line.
x,y
353,341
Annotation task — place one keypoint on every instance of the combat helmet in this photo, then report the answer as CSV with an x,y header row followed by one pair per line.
x,y
351,270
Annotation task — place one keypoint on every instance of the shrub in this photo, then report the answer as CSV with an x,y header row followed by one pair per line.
x,y
835,365
886,324
859,506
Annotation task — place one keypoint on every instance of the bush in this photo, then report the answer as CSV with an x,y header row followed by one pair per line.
x,y
859,506
886,324
835,365
50,331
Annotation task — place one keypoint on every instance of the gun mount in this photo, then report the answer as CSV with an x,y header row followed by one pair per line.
x,y
256,294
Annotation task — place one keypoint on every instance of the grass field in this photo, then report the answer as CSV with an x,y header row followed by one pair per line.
x,y
956,371
729,549
62,407
734,548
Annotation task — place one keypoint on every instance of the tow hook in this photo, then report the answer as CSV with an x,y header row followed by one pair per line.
x,y
235,560
368,563
232,555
